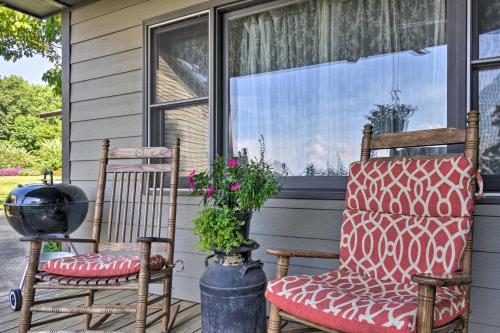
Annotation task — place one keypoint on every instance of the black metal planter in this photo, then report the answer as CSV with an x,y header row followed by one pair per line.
x,y
232,294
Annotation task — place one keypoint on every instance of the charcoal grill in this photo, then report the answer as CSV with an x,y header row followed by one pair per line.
x,y
45,209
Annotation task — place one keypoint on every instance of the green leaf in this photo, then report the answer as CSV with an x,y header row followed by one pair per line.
x,y
26,36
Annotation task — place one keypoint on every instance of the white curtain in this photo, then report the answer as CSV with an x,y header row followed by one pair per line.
x,y
299,75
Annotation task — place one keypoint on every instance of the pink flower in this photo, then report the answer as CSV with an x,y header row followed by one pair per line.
x,y
235,186
209,192
232,163
191,179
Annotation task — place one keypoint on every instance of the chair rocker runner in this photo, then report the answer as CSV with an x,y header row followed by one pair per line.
x,y
405,248
134,223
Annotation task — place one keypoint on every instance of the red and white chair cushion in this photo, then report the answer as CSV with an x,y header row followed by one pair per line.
x,y
100,265
401,218
432,187
353,303
394,247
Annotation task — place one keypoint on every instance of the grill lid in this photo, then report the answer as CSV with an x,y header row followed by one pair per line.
x,y
44,194
34,195
46,209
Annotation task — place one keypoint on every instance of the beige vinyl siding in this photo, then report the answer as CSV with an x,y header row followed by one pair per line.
x,y
107,102
117,63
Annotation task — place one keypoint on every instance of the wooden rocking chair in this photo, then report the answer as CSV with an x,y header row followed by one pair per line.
x,y
134,223
405,248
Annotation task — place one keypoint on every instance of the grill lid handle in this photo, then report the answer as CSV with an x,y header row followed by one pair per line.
x,y
48,173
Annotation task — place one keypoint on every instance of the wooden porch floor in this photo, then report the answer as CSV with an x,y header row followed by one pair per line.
x,y
188,320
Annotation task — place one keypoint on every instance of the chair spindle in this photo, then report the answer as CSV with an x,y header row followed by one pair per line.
x,y
111,207
153,205
119,208
160,203
132,216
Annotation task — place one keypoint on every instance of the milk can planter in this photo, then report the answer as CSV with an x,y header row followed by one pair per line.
x,y
232,293
233,284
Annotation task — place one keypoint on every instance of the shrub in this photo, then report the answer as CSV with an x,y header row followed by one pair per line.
x,y
29,132
30,172
13,157
52,247
49,156
10,171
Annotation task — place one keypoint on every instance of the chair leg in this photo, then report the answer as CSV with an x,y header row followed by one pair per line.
x,y
274,324
167,289
142,295
465,327
28,290
425,308
466,315
89,301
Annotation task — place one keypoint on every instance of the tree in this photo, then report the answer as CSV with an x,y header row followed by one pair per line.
x,y
310,170
22,35
49,156
30,132
19,98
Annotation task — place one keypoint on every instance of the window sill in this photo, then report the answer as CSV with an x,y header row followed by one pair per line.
x,y
319,194
489,198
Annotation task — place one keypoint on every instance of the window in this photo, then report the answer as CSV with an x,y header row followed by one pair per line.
x,y
307,76
179,90
486,87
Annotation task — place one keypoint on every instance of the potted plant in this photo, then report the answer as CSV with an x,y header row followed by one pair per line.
x,y
231,191
232,286
391,118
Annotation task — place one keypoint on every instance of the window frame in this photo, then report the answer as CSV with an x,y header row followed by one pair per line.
x,y
460,82
491,182
154,112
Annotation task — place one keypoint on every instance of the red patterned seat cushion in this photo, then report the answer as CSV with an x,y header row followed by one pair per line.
x,y
100,265
353,303
393,247
433,187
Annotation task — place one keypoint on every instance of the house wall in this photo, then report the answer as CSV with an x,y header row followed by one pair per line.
x,y
106,82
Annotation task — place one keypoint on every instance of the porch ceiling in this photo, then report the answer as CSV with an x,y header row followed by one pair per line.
x,y
40,8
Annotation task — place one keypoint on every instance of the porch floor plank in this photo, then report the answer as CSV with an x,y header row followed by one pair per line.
x,y
188,319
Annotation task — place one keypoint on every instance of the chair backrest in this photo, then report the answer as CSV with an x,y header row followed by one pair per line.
x,y
407,215
136,197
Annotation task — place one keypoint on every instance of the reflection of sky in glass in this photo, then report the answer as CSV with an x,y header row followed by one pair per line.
x,y
489,44
489,101
315,114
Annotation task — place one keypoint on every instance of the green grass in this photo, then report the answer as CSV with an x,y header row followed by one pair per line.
x,y
7,183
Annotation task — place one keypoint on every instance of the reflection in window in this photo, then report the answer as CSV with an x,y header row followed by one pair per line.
x,y
489,28
181,61
179,85
309,75
489,123
190,124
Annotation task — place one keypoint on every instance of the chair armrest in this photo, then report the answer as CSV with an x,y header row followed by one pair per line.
x,y
154,240
300,253
56,239
443,279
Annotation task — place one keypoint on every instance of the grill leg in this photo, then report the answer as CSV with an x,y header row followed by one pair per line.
x,y
29,291
21,284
